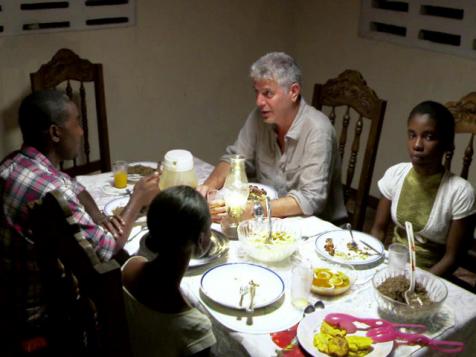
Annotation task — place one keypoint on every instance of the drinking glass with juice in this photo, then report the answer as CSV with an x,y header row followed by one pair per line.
x,y
120,174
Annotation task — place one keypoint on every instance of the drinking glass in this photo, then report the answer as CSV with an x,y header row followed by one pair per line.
x,y
119,168
397,256
301,281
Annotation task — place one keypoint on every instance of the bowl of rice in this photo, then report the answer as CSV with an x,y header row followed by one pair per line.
x,y
256,242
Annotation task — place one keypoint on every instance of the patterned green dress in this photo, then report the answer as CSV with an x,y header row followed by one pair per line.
x,y
414,205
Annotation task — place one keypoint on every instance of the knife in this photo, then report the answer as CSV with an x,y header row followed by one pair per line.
x,y
370,247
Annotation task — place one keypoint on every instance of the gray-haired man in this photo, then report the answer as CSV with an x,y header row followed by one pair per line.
x,y
287,144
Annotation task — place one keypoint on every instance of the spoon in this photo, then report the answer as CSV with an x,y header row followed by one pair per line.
x,y
410,295
348,226
270,221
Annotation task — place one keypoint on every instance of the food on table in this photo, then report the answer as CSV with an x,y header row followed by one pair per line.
x,y
335,342
351,252
329,282
140,170
394,287
118,210
277,237
256,193
329,247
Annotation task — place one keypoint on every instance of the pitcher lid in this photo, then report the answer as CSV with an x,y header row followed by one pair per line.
x,y
178,160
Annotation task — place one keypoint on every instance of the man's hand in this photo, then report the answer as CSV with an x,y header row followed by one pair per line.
x,y
114,224
217,210
146,189
203,190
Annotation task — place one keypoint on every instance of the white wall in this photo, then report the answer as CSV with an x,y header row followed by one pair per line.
x,y
179,78
327,43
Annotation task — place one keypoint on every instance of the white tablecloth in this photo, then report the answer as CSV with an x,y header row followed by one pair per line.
x,y
458,315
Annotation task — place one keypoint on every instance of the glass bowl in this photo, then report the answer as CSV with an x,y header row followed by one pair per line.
x,y
252,235
332,279
397,311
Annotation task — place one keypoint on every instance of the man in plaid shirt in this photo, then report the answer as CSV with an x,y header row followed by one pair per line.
x,y
51,131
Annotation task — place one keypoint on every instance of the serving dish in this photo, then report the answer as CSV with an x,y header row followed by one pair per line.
x,y
270,191
332,279
218,247
133,178
311,324
397,311
252,235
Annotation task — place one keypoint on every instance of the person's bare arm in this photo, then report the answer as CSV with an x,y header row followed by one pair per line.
x,y
285,207
460,230
91,207
382,218
144,192
216,178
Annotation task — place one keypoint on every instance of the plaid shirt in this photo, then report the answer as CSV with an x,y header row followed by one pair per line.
x,y
26,176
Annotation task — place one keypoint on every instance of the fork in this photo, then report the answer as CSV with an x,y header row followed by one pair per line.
x,y
243,291
142,229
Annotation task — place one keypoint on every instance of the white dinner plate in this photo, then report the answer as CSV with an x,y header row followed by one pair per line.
x,y
137,177
120,202
343,254
222,284
311,325
115,203
270,191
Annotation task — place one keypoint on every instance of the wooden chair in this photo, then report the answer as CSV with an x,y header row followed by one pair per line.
x,y
83,296
350,91
64,68
464,112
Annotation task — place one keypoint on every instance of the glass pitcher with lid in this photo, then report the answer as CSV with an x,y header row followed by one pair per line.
x,y
178,170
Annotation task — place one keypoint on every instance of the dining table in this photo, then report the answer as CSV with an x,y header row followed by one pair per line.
x,y
236,336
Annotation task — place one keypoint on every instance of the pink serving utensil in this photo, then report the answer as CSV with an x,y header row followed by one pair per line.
x,y
388,333
347,322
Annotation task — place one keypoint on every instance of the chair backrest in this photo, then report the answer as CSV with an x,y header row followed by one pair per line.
x,y
66,68
350,91
464,112
83,296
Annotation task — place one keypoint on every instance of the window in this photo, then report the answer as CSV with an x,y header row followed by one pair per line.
x,y
36,16
441,25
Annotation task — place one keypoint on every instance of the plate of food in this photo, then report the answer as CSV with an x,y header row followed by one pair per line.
x,y
218,247
116,206
258,192
332,279
337,247
227,284
321,339
139,169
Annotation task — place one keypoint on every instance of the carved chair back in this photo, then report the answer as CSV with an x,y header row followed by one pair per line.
x,y
82,295
464,112
366,110
66,69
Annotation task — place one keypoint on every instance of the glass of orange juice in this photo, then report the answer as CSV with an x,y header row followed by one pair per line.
x,y
119,168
